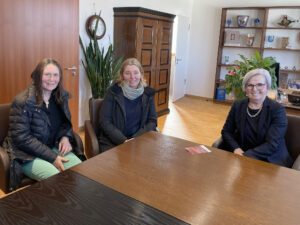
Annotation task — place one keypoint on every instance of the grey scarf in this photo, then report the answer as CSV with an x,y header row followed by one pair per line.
x,y
132,93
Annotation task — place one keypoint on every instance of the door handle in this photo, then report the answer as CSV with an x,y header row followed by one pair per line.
x,y
73,69
177,60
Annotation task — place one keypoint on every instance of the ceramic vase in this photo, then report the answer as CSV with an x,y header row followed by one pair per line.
x,y
242,20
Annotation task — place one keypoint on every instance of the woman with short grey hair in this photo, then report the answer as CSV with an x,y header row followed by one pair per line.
x,y
255,72
256,126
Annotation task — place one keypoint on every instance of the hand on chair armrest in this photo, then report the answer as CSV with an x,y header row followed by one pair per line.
x,y
91,140
296,164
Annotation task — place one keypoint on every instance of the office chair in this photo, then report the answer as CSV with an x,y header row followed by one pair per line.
x,y
4,158
92,128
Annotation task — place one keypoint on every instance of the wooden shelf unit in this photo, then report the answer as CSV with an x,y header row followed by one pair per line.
x,y
269,17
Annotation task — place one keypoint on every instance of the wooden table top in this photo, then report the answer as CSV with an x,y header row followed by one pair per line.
x,y
70,198
209,188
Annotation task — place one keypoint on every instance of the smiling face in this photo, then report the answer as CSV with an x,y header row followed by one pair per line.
x,y
132,76
256,88
50,78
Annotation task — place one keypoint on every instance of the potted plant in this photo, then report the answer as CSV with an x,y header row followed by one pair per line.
x,y
236,73
101,66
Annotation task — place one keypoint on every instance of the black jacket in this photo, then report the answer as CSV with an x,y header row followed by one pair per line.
x,y
272,126
113,117
29,129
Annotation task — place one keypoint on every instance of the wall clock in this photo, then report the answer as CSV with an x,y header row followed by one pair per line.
x,y
90,27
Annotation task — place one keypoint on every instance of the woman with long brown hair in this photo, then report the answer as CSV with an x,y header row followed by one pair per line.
x,y
40,140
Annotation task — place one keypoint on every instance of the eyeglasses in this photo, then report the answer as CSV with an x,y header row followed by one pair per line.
x,y
258,86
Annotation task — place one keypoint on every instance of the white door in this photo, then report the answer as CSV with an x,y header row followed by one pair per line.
x,y
180,61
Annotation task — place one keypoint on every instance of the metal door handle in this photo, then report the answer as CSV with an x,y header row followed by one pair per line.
x,y
177,60
73,68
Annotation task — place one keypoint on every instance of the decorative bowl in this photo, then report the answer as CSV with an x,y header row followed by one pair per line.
x,y
294,98
242,20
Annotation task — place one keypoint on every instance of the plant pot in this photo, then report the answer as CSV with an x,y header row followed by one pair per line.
x,y
238,93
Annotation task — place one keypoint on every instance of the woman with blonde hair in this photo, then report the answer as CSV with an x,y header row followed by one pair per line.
x,y
128,108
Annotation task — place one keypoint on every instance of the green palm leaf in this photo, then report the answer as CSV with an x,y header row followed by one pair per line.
x,y
101,67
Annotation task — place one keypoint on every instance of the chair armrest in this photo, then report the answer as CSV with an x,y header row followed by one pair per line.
x,y
217,143
296,164
4,170
79,147
91,141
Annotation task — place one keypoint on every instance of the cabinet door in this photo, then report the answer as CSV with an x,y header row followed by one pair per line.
x,y
146,48
163,64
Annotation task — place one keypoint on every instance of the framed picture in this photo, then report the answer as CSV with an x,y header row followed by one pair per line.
x,y
232,38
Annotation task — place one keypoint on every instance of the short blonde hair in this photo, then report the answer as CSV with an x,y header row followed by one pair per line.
x,y
256,72
132,62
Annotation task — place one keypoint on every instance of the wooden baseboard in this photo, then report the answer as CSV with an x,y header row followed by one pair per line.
x,y
199,97
81,128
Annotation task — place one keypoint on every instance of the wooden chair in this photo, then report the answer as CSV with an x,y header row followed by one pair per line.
x,y
292,140
4,158
92,129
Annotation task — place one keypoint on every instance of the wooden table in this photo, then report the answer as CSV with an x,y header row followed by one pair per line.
x,y
209,188
70,198
154,180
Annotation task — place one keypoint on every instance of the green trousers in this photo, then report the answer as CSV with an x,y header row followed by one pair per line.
x,y
39,169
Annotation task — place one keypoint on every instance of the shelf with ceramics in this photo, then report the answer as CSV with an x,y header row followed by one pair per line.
x,y
232,46
281,49
242,39
287,71
283,28
241,28
282,24
282,41
244,18
283,18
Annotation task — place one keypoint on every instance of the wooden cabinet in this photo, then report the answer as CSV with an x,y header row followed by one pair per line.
x,y
147,35
269,36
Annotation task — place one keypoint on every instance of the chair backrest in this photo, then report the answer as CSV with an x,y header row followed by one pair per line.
x,y
4,159
292,136
4,120
94,110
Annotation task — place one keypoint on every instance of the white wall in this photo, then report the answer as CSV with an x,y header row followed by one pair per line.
x,y
89,7
204,38
205,26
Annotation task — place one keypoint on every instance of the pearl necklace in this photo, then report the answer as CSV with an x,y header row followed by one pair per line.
x,y
255,115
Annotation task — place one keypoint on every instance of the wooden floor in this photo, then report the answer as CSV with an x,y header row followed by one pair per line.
x,y
193,119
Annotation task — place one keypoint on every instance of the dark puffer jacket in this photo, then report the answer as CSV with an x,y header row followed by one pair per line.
x,y
29,130
113,117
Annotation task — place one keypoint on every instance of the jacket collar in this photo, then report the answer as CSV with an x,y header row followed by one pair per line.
x,y
264,113
117,92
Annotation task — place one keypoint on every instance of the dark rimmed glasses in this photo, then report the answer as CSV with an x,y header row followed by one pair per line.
x,y
258,86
